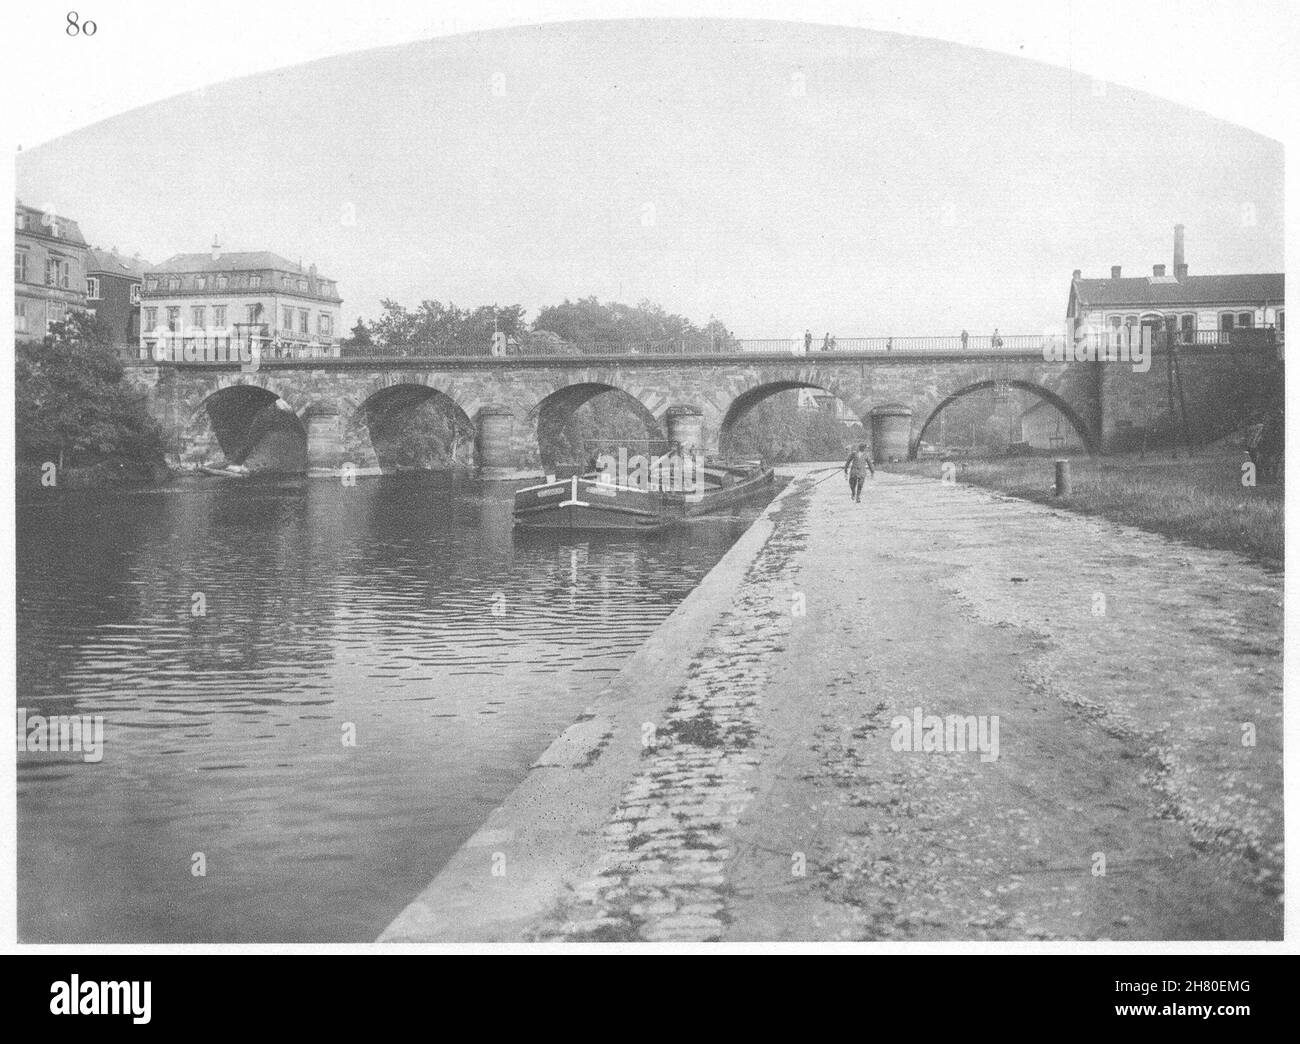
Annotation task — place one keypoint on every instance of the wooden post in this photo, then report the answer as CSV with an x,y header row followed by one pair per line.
x,y
1063,488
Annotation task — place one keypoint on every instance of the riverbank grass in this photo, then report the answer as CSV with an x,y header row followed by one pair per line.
x,y
1200,499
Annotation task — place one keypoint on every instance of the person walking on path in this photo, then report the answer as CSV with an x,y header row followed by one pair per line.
x,y
826,342
807,341
856,467
964,338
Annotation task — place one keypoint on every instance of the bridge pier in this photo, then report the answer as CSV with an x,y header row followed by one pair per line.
x,y
685,428
324,436
495,453
891,432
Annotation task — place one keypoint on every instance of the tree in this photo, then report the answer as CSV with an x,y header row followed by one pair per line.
x,y
435,328
360,342
72,403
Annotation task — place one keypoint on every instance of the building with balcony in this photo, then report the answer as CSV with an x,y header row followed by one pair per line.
x,y
1205,308
113,285
49,270
197,303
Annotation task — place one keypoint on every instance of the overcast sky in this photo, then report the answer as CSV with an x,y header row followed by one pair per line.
x,y
777,176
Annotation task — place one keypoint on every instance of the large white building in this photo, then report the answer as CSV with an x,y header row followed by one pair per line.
x,y
1199,308
195,302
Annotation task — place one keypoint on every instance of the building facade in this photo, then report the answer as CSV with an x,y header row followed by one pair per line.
x,y
113,285
1192,308
49,270
196,303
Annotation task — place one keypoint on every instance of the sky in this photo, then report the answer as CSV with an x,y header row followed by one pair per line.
x,y
778,176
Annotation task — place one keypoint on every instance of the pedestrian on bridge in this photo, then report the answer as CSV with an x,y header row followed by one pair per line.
x,y
964,338
807,341
826,342
856,467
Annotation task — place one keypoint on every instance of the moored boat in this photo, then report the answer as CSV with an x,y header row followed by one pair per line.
x,y
593,501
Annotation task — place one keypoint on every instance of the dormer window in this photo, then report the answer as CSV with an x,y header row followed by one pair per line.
x,y
254,281
302,286
173,282
222,282
20,221
200,282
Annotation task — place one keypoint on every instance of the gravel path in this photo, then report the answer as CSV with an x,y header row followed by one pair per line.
x,y
1124,672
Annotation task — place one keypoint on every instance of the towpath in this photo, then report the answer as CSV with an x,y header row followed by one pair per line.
x,y
747,776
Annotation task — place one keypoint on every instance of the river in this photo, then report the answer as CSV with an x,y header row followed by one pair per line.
x,y
312,693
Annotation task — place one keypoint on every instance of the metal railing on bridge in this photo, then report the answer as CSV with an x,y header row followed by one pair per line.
x,y
537,347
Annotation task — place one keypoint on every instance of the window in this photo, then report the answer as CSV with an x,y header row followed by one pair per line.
x,y
219,316
54,313
198,317
1225,321
151,318
20,266
151,284
286,322
200,282
1188,326
304,322
222,282
135,293
1245,320
1281,321
253,313
173,282
56,272
302,286
20,221
325,325
20,316
92,288
174,319
255,281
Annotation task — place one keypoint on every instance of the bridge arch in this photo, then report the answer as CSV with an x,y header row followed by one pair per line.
x,y
251,423
1067,411
746,400
386,418
553,414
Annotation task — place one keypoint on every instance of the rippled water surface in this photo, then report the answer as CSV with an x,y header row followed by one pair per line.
x,y
453,648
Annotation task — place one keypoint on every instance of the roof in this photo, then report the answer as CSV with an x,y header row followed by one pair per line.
x,y
113,263
257,260
69,230
1190,290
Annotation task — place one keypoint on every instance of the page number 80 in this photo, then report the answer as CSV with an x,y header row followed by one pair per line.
x,y
76,28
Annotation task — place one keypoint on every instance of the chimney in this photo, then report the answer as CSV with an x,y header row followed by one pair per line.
x,y
1158,270
1114,271
1078,274
216,248
1180,268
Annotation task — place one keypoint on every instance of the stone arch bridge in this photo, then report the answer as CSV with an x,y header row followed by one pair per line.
x,y
694,399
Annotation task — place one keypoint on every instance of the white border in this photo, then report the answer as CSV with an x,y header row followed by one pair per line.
x,y
1238,62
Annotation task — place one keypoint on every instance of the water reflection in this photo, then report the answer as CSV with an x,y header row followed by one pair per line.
x,y
234,634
